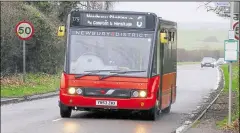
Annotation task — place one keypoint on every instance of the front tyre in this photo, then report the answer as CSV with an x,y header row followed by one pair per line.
x,y
153,113
65,111
167,110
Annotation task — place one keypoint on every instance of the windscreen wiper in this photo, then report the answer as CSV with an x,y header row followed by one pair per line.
x,y
93,72
121,72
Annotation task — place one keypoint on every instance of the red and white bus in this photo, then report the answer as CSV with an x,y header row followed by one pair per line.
x,y
117,60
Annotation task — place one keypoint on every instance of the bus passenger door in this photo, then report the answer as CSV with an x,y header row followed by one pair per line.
x,y
165,71
174,64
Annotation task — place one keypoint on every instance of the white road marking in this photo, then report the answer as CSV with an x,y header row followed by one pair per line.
x,y
218,78
57,119
181,128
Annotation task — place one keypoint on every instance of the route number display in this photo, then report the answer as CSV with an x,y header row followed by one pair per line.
x,y
24,30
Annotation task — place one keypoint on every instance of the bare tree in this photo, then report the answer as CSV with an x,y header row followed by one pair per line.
x,y
220,11
94,5
65,7
108,5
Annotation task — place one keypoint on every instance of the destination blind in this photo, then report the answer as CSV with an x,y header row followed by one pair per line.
x,y
108,20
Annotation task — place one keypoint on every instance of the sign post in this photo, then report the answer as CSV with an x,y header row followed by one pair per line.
x,y
230,55
231,48
24,31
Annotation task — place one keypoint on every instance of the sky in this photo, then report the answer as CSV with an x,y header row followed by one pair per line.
x,y
175,11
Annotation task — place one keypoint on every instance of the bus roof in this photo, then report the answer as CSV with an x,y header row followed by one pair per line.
x,y
168,21
115,12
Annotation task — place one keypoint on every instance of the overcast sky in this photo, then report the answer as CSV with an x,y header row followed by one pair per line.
x,y
175,11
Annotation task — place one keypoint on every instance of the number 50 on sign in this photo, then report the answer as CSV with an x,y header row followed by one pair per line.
x,y
24,30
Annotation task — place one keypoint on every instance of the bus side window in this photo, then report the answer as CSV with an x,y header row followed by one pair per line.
x,y
170,47
173,36
169,36
174,51
170,56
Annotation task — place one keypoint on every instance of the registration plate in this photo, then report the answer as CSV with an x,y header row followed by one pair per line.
x,y
106,103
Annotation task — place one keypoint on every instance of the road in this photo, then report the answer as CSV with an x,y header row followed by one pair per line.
x,y
42,116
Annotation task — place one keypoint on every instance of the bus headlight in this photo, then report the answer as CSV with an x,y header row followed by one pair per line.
x,y
79,91
142,94
135,94
139,93
71,90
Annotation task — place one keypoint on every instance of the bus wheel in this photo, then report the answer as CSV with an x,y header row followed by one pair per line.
x,y
166,110
65,111
154,112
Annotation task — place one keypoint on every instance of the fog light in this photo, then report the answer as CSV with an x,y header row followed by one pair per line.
x,y
71,90
135,94
142,93
79,91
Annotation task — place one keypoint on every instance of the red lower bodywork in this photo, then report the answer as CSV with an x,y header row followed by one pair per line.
x,y
149,84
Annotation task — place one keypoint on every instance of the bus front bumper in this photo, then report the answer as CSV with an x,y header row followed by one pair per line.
x,y
121,103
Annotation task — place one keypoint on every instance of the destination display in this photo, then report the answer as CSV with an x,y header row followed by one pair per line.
x,y
108,20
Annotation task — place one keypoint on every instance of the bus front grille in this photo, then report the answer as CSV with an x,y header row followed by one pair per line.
x,y
107,92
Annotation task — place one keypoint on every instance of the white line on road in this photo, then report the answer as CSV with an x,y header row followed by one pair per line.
x,y
57,119
218,78
180,129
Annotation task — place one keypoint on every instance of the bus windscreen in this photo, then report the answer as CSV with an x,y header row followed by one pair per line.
x,y
98,50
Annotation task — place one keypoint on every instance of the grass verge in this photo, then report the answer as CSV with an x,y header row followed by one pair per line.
x,y
40,83
235,89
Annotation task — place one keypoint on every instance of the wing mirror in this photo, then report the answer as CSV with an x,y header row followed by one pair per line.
x,y
163,38
61,31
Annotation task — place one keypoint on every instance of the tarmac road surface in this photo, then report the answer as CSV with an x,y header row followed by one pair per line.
x,y
42,116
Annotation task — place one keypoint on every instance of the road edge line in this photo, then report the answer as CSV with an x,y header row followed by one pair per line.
x,y
57,120
188,124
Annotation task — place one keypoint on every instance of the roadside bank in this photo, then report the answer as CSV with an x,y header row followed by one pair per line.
x,y
36,86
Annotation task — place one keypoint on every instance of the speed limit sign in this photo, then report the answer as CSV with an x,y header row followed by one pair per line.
x,y
236,29
24,30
